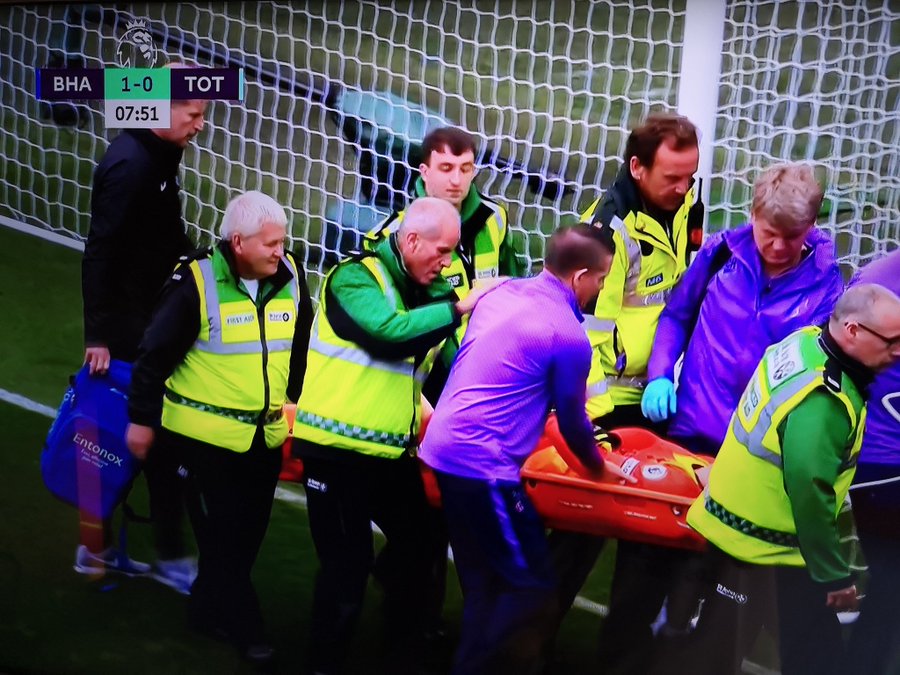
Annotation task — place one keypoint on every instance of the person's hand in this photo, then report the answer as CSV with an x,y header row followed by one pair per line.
x,y
98,360
844,600
139,438
481,286
612,468
658,401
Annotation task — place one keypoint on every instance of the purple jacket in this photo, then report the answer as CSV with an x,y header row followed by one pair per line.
x,y
524,352
881,444
742,313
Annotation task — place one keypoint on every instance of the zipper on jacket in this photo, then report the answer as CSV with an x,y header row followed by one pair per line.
x,y
265,363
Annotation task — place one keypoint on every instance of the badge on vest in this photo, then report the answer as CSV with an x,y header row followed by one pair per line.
x,y
240,319
455,280
784,361
653,281
279,317
486,274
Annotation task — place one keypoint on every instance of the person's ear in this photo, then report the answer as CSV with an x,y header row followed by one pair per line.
x,y
237,243
636,168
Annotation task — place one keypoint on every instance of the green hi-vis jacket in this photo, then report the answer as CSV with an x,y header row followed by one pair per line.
x,y
372,345
235,376
485,249
785,467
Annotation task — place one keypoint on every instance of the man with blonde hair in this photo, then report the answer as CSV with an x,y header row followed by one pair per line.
x,y
747,289
778,483
225,350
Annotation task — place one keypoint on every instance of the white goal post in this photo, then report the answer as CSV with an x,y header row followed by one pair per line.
x,y
339,95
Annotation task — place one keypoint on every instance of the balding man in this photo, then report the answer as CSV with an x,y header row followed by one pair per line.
x,y
525,352
779,481
381,315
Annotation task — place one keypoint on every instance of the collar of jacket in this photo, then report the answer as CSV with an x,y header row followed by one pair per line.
x,y
225,268
820,255
627,198
861,375
467,208
388,252
170,153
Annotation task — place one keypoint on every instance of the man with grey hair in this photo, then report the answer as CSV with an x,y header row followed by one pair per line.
x,y
778,484
381,316
225,350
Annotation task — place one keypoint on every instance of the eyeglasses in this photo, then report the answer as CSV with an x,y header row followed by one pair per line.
x,y
890,342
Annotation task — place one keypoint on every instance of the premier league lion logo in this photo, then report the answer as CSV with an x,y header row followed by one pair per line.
x,y
135,49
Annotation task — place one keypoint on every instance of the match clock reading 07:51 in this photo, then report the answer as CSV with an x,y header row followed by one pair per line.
x,y
137,114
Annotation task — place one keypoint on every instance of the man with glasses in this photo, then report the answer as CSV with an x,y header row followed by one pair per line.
x,y
779,482
876,498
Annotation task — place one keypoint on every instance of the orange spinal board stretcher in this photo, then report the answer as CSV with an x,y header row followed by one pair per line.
x,y
291,467
568,497
652,510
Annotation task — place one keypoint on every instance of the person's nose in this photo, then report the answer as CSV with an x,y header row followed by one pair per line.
x,y
778,244
455,176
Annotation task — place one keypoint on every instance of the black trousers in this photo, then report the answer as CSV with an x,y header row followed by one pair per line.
x,y
641,581
875,638
168,496
344,498
230,498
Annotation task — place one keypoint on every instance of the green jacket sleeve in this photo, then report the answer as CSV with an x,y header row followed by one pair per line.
x,y
359,311
814,439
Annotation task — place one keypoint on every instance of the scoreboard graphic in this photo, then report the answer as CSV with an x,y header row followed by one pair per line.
x,y
139,98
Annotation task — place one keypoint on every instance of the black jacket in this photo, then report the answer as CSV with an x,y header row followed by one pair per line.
x,y
137,235
176,325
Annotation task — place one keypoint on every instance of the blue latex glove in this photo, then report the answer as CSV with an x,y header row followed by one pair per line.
x,y
658,401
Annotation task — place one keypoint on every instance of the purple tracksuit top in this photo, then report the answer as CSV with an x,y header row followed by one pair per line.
x,y
881,443
742,313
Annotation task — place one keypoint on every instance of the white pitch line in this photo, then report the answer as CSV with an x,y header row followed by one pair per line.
x,y
27,403
291,497
282,494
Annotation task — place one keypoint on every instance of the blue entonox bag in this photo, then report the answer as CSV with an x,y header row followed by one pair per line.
x,y
85,461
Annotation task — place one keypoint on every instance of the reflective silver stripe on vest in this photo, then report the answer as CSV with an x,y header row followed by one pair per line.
x,y
591,322
651,300
630,382
753,439
633,250
355,355
598,388
215,345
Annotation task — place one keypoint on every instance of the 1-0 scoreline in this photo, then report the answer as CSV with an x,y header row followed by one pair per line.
x,y
139,98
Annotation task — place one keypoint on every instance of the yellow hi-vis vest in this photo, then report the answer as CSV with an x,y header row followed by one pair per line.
x,y
235,375
352,400
486,251
745,510
623,325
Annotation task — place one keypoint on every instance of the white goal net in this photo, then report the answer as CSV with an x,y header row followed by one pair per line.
x,y
339,95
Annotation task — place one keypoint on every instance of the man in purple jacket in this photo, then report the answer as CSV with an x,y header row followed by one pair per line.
x,y
747,289
524,352
876,503
775,275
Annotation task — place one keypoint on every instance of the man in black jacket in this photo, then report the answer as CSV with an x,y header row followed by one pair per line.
x,y
136,238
